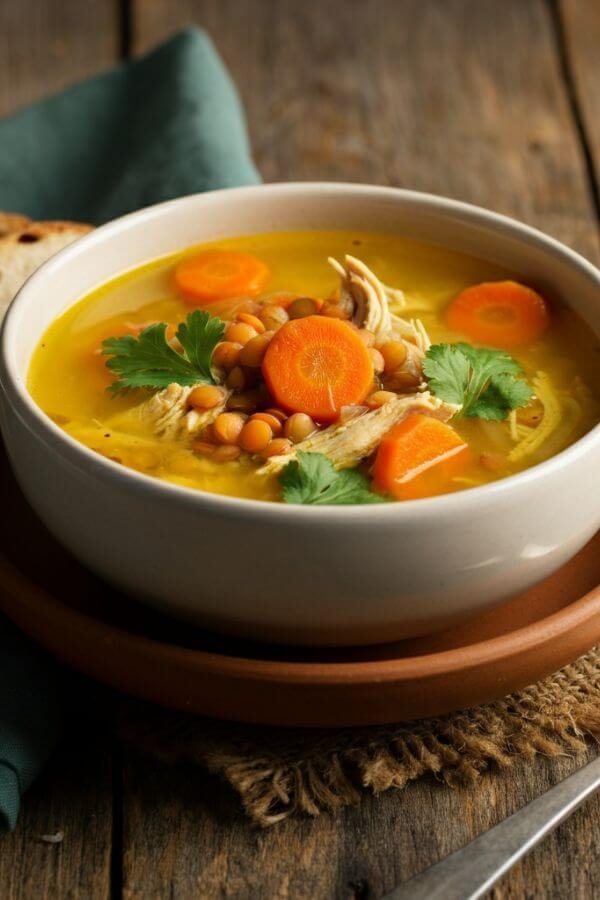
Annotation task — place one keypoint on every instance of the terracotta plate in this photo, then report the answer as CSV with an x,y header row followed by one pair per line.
x,y
116,640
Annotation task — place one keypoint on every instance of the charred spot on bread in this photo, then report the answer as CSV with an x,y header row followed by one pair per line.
x,y
25,247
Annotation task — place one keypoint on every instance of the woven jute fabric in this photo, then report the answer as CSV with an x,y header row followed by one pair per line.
x,y
281,772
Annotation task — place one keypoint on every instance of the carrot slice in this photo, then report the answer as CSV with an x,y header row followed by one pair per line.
x,y
499,313
317,365
418,458
220,275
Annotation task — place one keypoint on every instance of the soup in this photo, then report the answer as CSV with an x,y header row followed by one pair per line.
x,y
320,367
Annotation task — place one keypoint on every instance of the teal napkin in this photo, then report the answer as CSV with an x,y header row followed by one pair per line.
x,y
166,125
163,126
30,717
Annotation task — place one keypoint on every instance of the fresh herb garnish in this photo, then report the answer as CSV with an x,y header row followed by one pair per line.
x,y
312,479
149,361
484,382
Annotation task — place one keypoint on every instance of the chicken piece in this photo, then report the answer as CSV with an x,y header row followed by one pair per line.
x,y
166,411
168,415
417,343
366,300
363,297
347,443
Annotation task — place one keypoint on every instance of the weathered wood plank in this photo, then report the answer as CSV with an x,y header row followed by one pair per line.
x,y
581,29
45,46
464,98
73,796
185,836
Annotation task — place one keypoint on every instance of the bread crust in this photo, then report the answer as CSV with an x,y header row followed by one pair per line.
x,y
12,222
23,250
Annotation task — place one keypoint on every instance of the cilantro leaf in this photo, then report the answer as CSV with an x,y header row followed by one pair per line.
x,y
312,479
503,393
484,382
199,335
149,361
447,372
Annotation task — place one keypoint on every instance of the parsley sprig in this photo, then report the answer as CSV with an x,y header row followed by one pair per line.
x,y
312,479
149,361
485,383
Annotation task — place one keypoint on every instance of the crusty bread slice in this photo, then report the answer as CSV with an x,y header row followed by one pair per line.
x,y
12,222
24,251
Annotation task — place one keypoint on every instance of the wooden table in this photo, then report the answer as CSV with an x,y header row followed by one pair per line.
x,y
492,101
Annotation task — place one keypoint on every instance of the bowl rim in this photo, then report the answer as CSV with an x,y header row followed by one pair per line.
x,y
93,464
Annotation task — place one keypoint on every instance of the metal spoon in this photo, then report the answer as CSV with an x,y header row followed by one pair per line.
x,y
471,871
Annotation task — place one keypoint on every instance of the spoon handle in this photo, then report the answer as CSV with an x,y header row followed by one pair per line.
x,y
471,871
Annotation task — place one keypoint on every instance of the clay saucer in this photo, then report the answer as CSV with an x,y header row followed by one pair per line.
x,y
110,637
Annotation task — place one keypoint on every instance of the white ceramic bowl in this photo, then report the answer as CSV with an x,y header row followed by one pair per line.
x,y
335,575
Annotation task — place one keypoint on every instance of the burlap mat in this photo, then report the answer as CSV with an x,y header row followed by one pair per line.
x,y
281,772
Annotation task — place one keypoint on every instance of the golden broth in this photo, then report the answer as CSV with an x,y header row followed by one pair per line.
x,y
68,378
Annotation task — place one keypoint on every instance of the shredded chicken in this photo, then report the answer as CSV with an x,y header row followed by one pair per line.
x,y
168,415
366,300
166,411
347,443
363,296
422,339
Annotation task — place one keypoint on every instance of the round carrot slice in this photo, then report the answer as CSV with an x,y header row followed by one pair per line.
x,y
316,365
220,275
499,313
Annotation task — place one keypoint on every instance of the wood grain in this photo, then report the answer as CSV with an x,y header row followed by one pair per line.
x,y
461,97
465,98
185,836
581,24
73,796
43,47
47,44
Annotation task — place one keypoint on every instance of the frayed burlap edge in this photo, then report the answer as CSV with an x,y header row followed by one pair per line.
x,y
281,772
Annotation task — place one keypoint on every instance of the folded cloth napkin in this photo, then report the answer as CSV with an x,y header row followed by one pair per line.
x,y
30,716
163,126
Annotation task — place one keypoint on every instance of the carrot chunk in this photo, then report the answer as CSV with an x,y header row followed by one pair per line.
x,y
418,458
220,275
499,313
317,365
